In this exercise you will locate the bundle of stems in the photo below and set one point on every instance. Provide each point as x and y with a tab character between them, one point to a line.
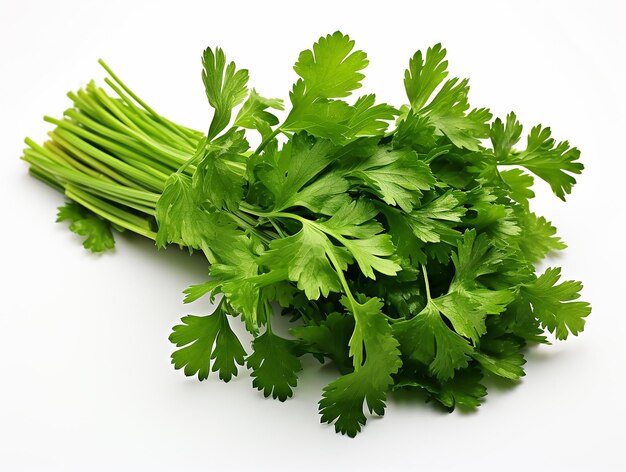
112	154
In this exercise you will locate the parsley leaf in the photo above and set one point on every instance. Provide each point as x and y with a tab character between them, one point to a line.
555	305
286	172
553	162
97	232
427	339
233	276
303	258
331	69
254	115
329	338
225	87
205	338
343	399
447	110
464	390
397	176
274	365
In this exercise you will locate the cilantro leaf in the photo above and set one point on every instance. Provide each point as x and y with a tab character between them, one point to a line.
409	249
343	399
368	118
433	221
335	119
551	161
289	170
195	292
180	216
329	338
519	184
505	136
328	72
225	87
424	75
474	258
487	214
447	110
416	132
318	116
464	313
303	258
538	236
354	227
396	175
468	300
198	334
254	115
427	340
274	365
228	352
306	257
219	178
325	195
234	276
508	365
555	306
97	232
463	391
205	338
331	69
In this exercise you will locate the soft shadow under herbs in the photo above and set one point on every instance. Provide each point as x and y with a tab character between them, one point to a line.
192	265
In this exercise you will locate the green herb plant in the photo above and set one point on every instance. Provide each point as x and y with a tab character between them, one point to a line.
399	241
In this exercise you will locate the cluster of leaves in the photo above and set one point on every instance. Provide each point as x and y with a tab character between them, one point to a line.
96	231
404	256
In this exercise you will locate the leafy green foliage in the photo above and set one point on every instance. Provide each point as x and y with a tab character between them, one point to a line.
553	162
398	177
254	115
343	399
232	275
463	391
329	338
181	217
427	339
287	172
555	305
225	87
447	110
303	258
274	365
97	232
331	69
399	240
205	338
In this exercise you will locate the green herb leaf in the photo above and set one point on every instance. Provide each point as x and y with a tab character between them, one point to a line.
97	232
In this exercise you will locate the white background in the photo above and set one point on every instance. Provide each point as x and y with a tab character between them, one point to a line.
85	379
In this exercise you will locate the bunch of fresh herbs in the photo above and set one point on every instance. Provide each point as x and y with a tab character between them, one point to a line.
399	241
